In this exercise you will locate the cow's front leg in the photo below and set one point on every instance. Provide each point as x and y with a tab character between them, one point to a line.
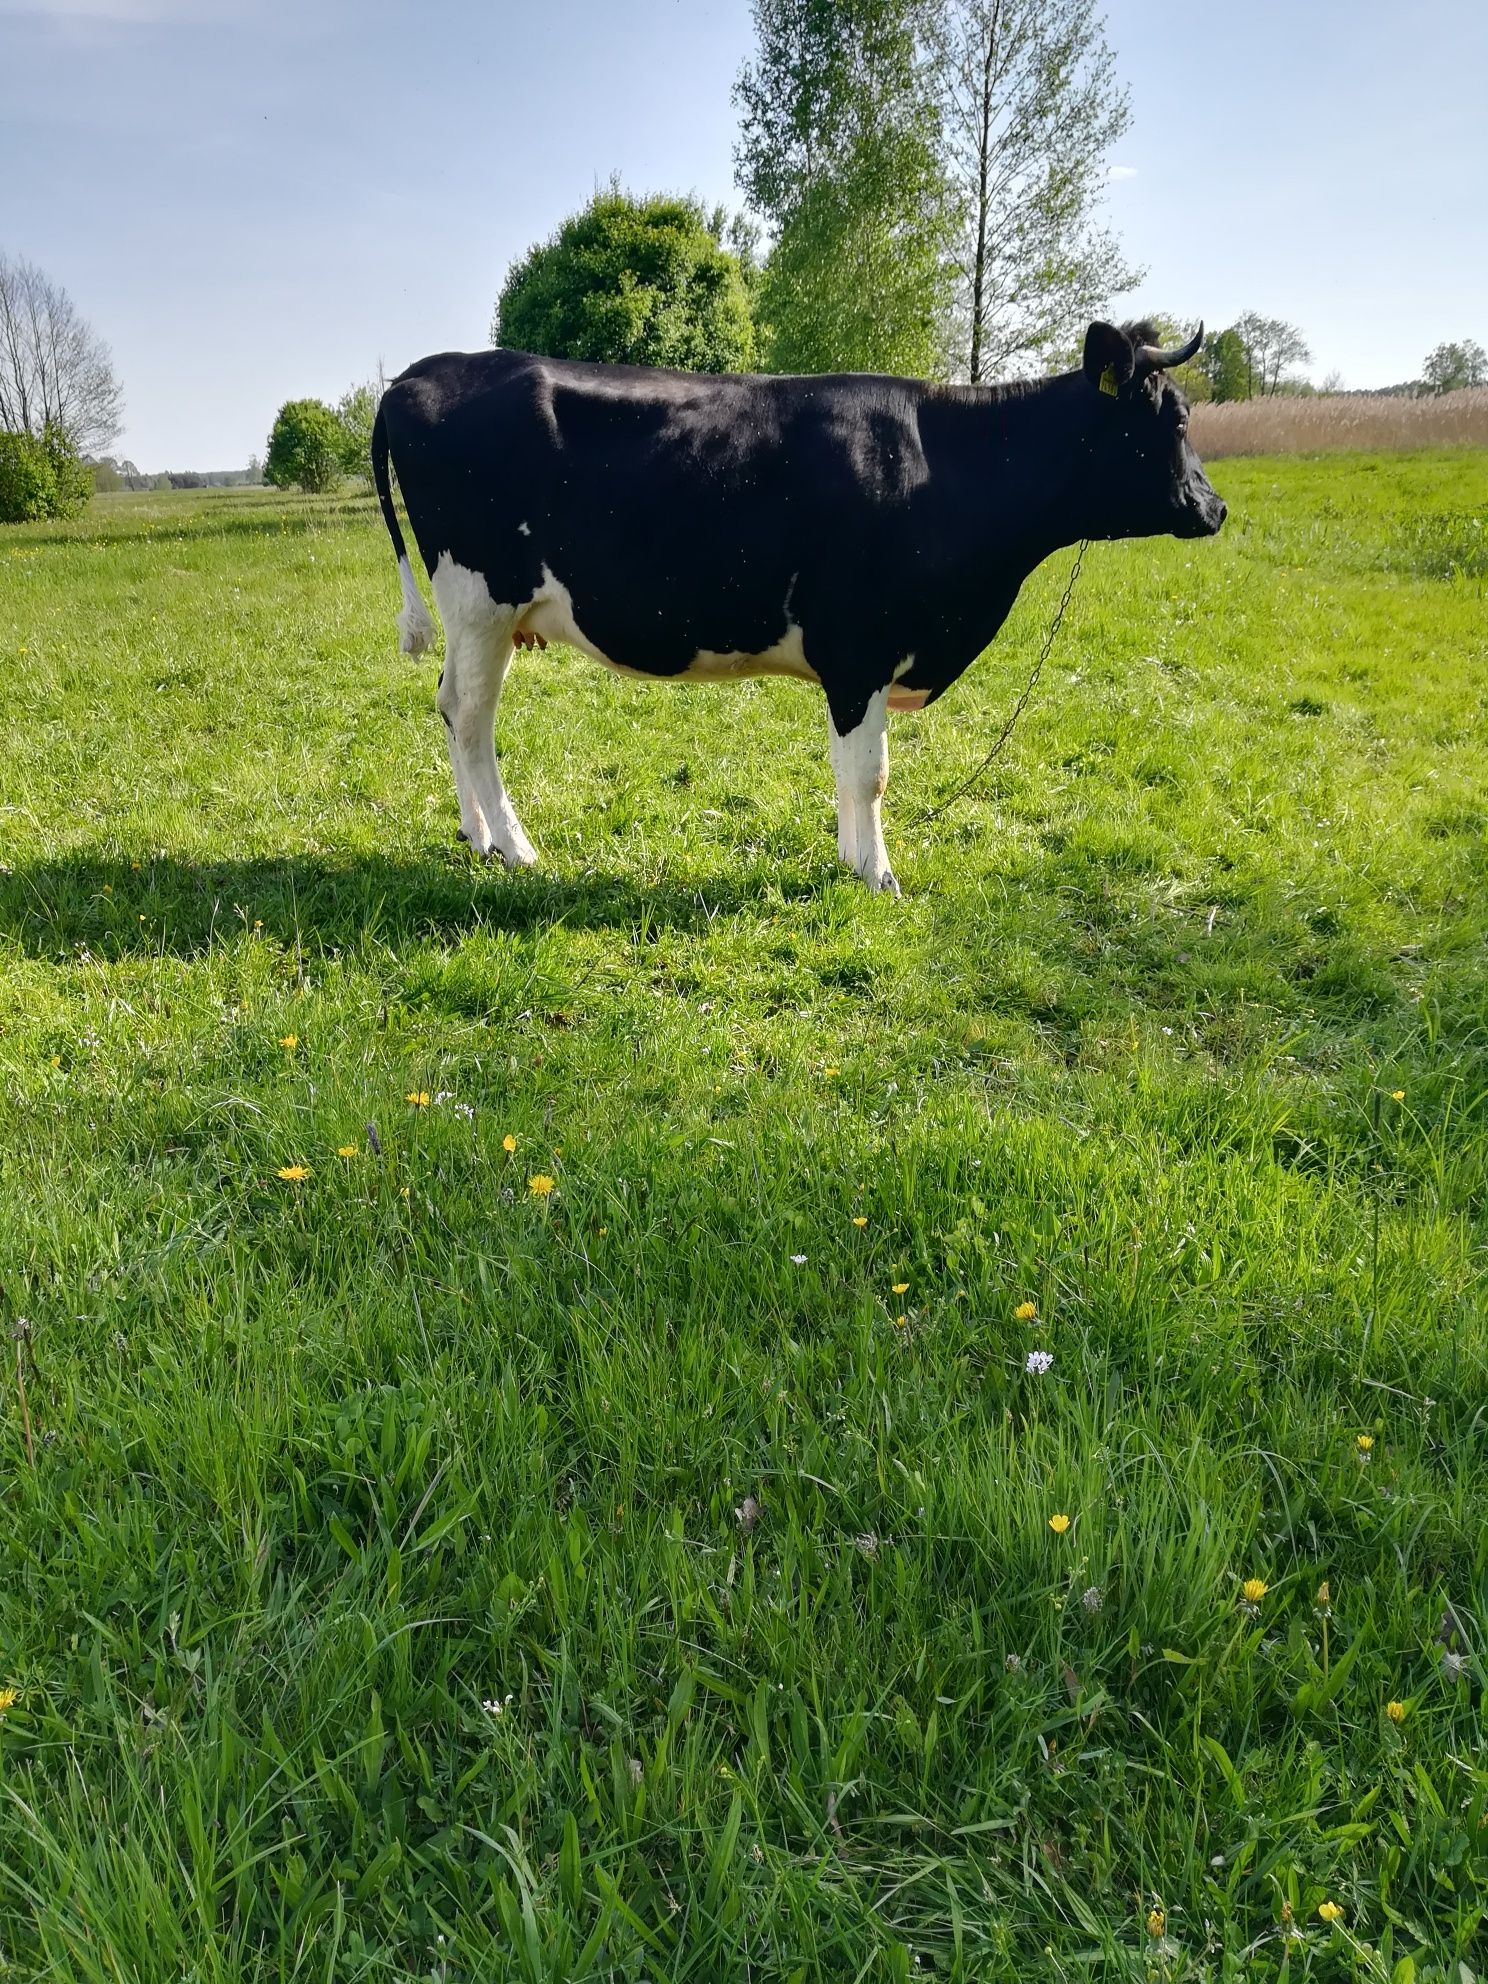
478	650
859	741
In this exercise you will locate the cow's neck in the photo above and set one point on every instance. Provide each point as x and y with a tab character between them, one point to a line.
1016	459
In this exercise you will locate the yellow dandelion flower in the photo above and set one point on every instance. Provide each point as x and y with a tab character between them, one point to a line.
1059	1524
901	1322
1254	1590
1364	1442
1156	1922
540	1185
8	1698
108	888
56	1060
603	1231
1397	1095
829	1072
1395	1711
508	1144
1329	1911
346	1150
859	1220
289	1042
1026	1311
294	1174
901	1288
419	1097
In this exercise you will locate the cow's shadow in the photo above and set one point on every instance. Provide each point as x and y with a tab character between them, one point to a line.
112	907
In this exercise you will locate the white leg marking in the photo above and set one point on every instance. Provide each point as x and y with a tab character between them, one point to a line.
860	763
477	649
415	624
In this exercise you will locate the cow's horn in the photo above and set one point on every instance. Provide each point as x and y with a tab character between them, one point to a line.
1151	359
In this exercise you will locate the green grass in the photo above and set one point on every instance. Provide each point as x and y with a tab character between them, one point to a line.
318	1469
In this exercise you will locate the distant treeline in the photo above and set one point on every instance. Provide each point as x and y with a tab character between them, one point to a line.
111	474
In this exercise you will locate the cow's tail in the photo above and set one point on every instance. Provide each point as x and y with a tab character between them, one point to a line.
415	622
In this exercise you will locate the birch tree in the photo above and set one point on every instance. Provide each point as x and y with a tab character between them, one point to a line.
1029	109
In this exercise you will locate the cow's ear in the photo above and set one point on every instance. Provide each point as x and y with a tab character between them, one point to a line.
1109	360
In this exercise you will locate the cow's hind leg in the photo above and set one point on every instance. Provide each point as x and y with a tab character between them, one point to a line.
478	649
860	765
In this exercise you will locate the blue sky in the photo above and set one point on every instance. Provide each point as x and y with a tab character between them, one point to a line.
258	199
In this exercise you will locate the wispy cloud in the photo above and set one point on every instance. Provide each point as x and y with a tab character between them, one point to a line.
1121	172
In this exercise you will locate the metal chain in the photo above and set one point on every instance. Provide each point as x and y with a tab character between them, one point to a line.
960	791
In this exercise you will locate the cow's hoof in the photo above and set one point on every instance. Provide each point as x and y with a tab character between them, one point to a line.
521	856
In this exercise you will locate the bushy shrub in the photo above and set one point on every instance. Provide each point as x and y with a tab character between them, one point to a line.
41	478
632	282
74	478
306	447
28	488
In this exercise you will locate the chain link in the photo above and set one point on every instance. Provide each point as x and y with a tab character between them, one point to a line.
960	791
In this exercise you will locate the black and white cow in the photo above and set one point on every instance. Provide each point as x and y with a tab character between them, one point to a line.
868	534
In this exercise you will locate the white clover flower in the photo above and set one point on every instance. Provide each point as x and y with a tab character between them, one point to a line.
1038	1361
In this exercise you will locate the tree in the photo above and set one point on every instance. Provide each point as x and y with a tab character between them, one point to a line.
1223	361
632	282
356	410
55	371
1029	108
305	447
839	150
1452	366
1271	345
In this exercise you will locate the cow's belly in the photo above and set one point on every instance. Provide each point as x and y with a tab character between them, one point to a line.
550	615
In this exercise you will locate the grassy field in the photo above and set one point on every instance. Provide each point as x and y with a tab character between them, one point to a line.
413	1573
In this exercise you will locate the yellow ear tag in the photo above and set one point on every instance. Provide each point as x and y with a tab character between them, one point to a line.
1108	382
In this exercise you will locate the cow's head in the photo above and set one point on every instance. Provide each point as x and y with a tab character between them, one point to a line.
1145	478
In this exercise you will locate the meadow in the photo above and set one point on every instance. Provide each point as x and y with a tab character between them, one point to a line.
668	1418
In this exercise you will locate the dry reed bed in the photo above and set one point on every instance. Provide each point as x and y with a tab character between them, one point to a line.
1341	420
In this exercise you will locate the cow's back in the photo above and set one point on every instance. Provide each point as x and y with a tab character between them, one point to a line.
681	511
